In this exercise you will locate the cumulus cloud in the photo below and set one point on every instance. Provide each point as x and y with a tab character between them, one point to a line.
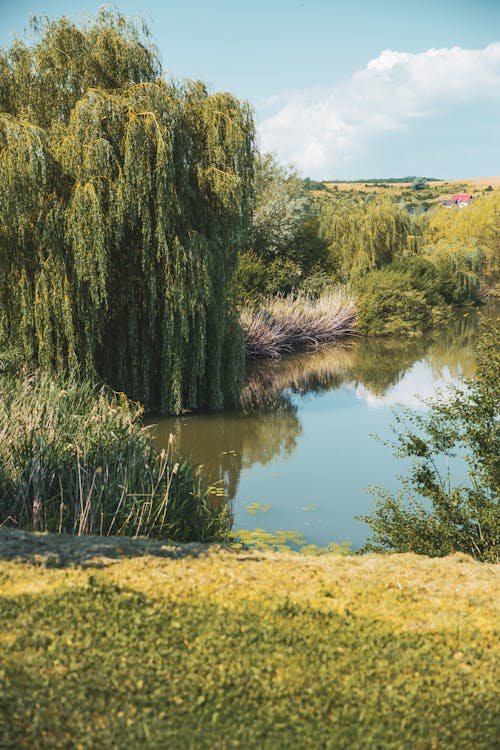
420	383
323	130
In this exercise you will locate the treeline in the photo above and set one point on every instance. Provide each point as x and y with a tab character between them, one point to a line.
137	219
407	270
383	180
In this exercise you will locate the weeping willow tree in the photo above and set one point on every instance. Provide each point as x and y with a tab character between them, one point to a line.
123	201
365	236
468	240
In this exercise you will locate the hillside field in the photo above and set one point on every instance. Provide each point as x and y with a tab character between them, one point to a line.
448	186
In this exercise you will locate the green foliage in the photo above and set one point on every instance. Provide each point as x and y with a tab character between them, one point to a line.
11	361
363	235
281	206
283	276
471	238
461	517
255	279
284	236
123	199
313	184
250	277
317	283
459	268
419	183
308	249
76	459
401	298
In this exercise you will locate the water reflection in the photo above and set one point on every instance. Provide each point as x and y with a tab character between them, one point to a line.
227	443
279	414
375	364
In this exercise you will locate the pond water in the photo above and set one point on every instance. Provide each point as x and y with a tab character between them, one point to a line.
302	454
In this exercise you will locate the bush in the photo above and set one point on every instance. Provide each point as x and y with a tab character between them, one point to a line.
250	277
255	278
283	276
76	459
404	297
317	284
461	517
419	183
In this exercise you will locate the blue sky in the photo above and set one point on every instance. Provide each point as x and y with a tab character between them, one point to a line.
341	89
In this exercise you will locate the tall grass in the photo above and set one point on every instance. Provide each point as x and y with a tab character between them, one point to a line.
287	324
75	458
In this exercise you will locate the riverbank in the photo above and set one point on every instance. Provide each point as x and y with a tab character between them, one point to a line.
128	643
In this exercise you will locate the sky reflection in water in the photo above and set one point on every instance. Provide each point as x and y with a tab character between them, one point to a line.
305	443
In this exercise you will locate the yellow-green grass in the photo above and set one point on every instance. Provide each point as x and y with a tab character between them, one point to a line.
120	643
475	183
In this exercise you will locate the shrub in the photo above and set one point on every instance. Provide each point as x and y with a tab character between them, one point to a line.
461	517
317	283
75	458
419	183
250	277
401	298
283	276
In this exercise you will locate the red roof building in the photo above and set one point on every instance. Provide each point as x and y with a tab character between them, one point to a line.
459	199
462	197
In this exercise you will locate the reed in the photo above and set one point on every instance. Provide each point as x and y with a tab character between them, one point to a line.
75	458
283	325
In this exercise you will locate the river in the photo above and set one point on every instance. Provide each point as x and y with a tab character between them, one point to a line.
303	452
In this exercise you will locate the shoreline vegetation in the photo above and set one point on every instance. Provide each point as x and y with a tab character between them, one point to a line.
75	458
287	324
139	224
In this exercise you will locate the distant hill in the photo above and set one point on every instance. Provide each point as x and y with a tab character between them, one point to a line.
394	184
377	180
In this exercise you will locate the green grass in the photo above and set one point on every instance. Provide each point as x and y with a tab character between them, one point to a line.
204	647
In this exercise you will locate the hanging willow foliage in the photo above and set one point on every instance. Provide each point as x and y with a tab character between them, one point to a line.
123	202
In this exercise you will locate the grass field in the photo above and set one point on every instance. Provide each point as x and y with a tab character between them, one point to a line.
120	643
448	186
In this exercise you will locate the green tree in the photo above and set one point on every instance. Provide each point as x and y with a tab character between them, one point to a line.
284	243
457	516
123	202
366	234
419	183
281	207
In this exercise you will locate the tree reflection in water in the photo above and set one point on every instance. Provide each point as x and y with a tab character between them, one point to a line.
229	442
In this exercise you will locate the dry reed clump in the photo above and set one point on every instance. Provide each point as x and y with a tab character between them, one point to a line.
293	323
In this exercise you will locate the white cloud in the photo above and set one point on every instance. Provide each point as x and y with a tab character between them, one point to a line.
322	130
420	383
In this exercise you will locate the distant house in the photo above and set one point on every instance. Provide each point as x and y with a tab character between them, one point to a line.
460	199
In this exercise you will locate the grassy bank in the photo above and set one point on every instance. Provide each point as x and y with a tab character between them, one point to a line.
112	643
